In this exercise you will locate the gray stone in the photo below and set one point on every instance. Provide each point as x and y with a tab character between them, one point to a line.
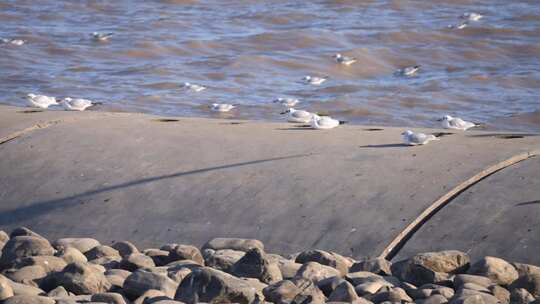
376	265
6	290
160	257
23	231
136	261
59	291
125	248
394	295
109	298
80	278
293	291
434	299
255	265
233	244
360	277
26	299
461	279
331	259
150	296
344	292
467	296
500	293
316	272
520	296
49	263
209	285
186	252
141	281
498	270
288	268
222	259
71	255
25	290
81	244
328	285
25	246
529	279
109	262
29	275
101	251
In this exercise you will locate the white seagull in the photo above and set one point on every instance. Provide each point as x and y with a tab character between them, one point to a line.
17	42
101	36
193	87
313	80
287	102
472	16
324	122
300	116
77	104
449	122
409	71
40	101
344	59
413	139
221	107
460	26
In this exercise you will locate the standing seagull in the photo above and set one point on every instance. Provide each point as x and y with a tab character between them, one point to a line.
287	102
324	122
300	116
221	107
77	104
101	36
344	59
40	101
449	122
313	80
413	139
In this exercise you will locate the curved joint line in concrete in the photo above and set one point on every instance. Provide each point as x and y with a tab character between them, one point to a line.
37	126
399	241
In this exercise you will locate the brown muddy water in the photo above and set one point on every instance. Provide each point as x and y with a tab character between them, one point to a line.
251	52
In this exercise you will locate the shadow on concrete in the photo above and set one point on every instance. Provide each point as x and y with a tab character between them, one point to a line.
43	207
528	203
385	146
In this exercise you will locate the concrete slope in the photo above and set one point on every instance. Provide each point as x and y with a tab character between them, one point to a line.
499	216
131	176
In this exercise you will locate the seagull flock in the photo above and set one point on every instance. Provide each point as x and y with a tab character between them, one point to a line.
316	121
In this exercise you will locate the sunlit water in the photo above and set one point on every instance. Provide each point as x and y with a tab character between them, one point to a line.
251	52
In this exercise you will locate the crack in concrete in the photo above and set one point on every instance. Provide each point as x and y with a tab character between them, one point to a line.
38	126
393	248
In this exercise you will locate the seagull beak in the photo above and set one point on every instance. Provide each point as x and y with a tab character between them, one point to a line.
440	119
283	113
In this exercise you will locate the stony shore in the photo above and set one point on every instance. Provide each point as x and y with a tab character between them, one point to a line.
233	270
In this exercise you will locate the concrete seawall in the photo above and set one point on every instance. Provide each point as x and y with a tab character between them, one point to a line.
352	190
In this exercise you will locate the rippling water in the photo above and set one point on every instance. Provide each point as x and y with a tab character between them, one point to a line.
250	52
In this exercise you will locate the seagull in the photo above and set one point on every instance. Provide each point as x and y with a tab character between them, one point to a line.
300	116
77	104
324	122
449	122
413	139
17	42
221	107
460	26
101	36
40	101
193	87
314	80
409	71
344	59
472	16
287	102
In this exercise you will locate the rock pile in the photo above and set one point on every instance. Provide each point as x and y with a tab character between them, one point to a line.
227	270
